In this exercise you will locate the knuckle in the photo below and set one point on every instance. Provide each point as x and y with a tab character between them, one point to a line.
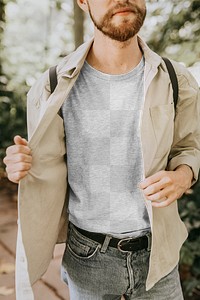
18	148
11	178
178	194
167	179
158	196
167	202
170	180
18	176
27	166
8	170
22	166
151	191
146	192
173	188
21	157
162	173
5	160
8	150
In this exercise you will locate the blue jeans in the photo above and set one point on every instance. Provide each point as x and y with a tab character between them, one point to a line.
93	274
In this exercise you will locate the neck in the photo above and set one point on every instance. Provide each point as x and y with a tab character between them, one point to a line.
113	57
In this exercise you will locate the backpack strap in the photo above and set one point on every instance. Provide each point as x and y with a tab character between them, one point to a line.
173	78
53	78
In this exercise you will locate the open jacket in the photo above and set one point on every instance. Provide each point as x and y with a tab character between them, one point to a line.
168	139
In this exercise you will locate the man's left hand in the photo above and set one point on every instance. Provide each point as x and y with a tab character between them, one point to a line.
165	187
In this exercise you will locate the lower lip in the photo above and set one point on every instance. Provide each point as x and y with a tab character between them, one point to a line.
123	13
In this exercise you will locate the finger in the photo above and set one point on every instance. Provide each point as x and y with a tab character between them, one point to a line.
15	149
164	203
18	140
18	167
189	192
21	157
17	176
156	187
161	194
18	157
152	179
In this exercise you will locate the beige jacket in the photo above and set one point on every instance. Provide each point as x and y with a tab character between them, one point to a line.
43	192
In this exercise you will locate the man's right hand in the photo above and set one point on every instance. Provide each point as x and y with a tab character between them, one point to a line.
18	159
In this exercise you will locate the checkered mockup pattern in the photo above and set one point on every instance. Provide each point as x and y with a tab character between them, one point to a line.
102	123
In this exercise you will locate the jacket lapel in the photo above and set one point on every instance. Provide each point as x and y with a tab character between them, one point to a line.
55	101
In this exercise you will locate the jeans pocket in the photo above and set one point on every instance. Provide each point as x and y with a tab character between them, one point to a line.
80	248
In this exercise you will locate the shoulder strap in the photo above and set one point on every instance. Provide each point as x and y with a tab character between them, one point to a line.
53	83
53	78
173	78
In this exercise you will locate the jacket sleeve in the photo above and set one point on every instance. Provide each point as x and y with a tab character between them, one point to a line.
186	143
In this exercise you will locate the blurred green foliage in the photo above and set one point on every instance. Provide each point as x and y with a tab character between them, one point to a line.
178	36
12	118
189	207
172	29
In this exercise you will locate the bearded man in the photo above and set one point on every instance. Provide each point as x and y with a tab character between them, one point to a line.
104	176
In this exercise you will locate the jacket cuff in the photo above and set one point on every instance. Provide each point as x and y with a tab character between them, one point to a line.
185	160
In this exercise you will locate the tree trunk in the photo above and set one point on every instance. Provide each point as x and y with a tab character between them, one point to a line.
78	25
2	21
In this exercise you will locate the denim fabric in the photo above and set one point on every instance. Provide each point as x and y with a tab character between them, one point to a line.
93	274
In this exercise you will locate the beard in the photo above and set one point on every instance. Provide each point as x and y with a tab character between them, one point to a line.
127	28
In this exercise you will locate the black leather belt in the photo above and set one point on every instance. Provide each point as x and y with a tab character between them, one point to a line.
124	245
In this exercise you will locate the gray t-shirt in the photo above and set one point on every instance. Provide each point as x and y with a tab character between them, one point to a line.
102	116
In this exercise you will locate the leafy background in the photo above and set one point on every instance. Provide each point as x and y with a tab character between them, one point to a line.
37	34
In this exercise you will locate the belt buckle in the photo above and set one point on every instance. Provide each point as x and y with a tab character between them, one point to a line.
148	235
121	241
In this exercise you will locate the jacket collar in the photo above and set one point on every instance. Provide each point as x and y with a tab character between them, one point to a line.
71	65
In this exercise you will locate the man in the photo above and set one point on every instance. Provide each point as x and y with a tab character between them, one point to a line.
129	157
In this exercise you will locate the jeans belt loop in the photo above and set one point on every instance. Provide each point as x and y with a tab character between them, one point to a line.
105	243
149	237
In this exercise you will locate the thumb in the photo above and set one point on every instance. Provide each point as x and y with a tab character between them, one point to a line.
18	140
